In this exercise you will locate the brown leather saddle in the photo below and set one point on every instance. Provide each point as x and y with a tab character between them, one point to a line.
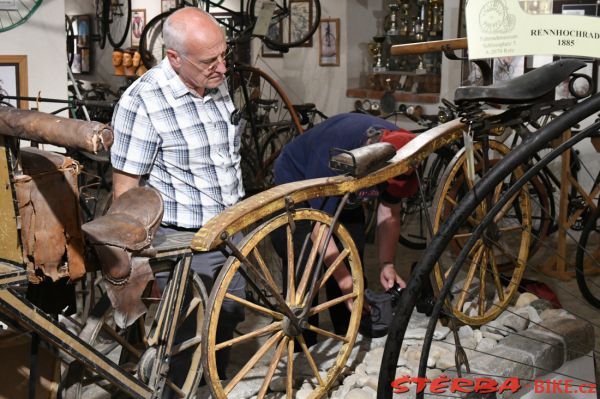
363	160
125	231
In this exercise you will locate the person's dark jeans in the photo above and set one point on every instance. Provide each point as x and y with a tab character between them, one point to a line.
353	221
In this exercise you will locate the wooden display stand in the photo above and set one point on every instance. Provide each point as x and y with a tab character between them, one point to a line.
558	266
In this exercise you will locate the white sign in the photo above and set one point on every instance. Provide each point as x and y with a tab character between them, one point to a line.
499	28
8	5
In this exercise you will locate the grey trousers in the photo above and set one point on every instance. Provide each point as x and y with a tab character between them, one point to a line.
207	265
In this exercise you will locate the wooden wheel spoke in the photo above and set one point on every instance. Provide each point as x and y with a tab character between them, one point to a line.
291	272
468	280
254	306
326	305
310	263
504	211
252	362
272	367
311	360
185	345
496	275
254	334
471	220
338	261
194	303
326	333
263	267
289	384
482	272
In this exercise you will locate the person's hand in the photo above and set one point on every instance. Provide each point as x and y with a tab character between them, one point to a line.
388	277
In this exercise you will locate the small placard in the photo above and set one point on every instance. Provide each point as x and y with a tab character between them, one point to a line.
8	5
500	28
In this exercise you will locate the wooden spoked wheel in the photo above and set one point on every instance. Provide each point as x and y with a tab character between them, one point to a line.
136	346
277	348
482	289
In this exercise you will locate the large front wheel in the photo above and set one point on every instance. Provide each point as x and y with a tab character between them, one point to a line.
273	346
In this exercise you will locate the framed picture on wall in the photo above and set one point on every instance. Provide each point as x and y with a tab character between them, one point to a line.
138	22
13	78
329	42
507	68
300	17
275	33
166	5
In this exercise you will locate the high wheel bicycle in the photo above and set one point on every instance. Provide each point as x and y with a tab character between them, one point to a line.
504	189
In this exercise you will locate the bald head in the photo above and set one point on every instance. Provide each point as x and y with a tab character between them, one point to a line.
188	27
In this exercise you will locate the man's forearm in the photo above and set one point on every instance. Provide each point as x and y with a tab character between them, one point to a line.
122	182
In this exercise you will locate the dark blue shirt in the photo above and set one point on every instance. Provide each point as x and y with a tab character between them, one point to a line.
307	156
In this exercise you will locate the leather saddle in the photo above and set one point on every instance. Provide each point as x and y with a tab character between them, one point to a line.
363	160
125	231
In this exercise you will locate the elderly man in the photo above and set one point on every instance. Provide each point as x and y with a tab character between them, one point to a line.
173	132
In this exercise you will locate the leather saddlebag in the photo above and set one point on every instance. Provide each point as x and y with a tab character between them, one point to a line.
48	200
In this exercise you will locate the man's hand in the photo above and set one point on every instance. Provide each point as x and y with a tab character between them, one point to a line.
388	277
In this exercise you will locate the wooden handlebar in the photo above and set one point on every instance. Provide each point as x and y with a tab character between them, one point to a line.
429	47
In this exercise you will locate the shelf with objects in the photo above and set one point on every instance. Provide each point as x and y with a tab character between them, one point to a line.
406	77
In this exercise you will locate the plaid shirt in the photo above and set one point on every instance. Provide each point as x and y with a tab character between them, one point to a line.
185	145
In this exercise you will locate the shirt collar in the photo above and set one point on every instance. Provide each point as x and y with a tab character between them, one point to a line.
176	84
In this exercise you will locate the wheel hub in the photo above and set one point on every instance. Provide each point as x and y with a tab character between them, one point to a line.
289	328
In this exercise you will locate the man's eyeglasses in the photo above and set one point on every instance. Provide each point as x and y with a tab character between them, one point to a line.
209	65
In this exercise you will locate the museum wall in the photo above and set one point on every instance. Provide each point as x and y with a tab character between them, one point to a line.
42	40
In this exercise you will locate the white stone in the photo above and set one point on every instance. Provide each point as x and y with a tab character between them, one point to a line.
552	313
486	344
415	333
445	361
402	371
525	299
361	369
478	335
358	393
303	393
533	314
350	381
370	391
372	382
373	360
465	332
433	373
440	332
514	321
401	361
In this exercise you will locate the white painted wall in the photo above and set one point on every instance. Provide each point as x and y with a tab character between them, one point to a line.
43	40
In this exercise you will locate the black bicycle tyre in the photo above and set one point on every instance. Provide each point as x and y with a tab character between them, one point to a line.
147	57
518	156
582	283
102	16
113	41
313	24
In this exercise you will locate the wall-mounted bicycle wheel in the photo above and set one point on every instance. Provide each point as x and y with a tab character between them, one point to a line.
271	341
270	123
298	21
483	284
14	16
119	20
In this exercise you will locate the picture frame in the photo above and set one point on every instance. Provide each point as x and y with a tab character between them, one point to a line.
276	33
329	42
138	22
166	5
13	78
299	19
